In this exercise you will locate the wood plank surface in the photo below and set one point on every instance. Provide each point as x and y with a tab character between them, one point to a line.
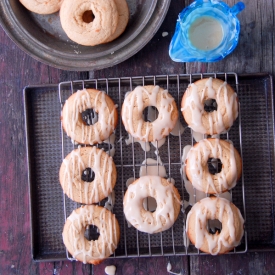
145	266
16	71
255	53
241	264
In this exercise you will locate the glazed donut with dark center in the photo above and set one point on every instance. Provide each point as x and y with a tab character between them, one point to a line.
213	166
87	175
224	238
101	246
209	106
89	116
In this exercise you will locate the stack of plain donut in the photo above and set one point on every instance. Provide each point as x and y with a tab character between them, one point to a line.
86	22
84	190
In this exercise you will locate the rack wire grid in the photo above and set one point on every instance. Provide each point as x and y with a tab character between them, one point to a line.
130	158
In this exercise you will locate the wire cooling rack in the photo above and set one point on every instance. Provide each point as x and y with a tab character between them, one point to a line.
130	158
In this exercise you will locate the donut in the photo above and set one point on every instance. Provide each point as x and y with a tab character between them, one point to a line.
89	22
167	199
75	165
74	125
42	6
213	208
93	252
123	18
142	97
193	109
197	166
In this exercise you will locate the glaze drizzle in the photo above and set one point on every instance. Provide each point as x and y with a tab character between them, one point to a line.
200	119
134	102
163	217
103	125
71	171
197	159
92	250
211	209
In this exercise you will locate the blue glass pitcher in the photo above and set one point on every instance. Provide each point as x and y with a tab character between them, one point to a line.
206	31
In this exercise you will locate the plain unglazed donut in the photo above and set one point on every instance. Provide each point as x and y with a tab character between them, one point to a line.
84	32
77	129
123	18
93	252
71	170
42	6
217	121
142	97
166	196
213	208
197	166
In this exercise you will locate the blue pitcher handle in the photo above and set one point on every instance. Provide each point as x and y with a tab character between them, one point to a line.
237	8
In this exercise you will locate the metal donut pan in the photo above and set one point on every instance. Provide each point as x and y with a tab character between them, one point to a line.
42	37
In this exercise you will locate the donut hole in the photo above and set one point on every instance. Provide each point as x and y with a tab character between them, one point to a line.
88	175
214	166
150	204
214	226
89	116
150	113
210	105
88	16
91	233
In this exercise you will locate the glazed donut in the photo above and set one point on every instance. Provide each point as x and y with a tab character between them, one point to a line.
81	101
75	163
217	121
142	97
89	22
168	204
213	208
42	6
197	166
123	18
93	252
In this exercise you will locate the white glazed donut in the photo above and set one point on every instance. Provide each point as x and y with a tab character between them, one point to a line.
217	121
197	166
142	97
93	252
76	128
168	204
213	208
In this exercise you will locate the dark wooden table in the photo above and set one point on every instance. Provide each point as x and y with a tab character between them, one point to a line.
255	53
